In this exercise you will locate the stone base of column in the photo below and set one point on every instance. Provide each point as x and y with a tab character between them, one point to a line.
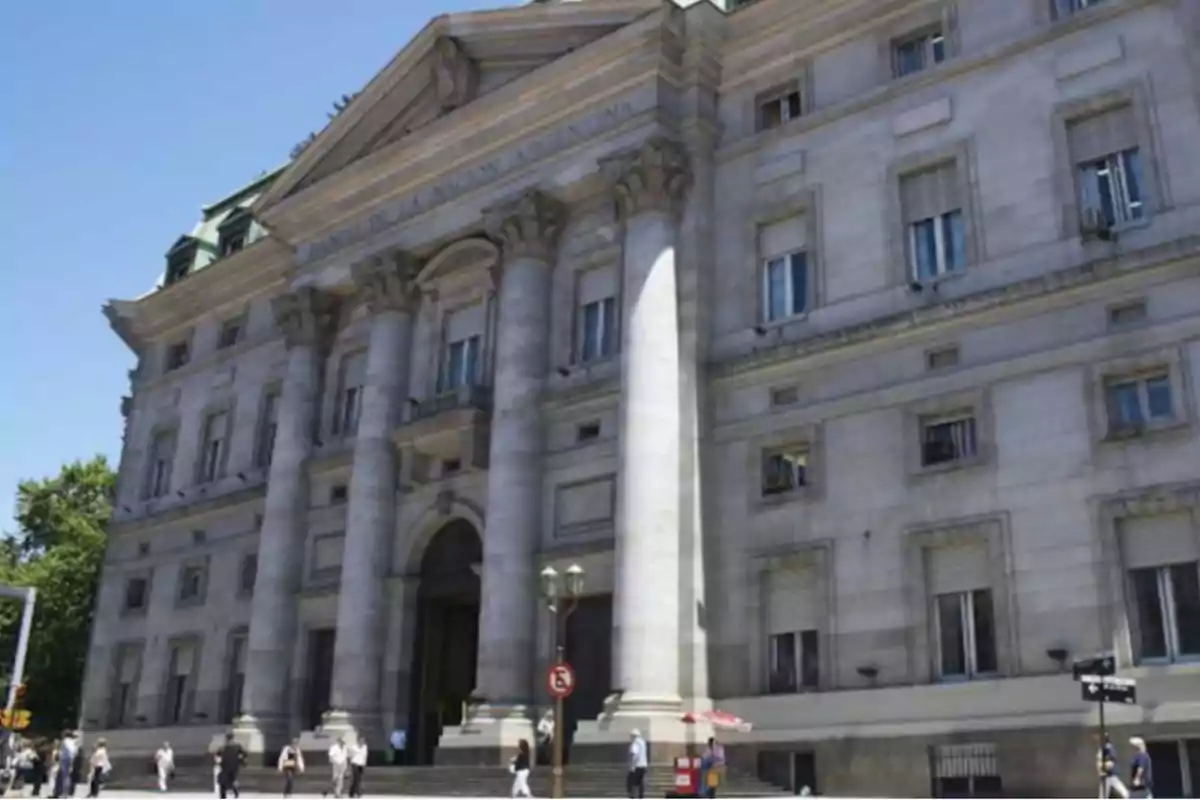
488	737
351	727
257	734
658	719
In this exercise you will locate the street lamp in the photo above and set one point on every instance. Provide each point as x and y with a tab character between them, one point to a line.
554	592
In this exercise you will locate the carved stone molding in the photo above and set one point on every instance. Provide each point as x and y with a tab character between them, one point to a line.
387	282
306	316
455	75
528	227
655	177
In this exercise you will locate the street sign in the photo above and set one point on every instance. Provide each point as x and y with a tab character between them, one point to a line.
1103	664
1107	689
560	680
17	720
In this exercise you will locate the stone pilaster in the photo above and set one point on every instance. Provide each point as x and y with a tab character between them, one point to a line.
307	318
386	285
528	231
649	187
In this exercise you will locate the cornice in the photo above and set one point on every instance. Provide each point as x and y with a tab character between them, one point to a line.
189	512
907	323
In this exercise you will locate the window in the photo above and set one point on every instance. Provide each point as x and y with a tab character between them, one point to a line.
191	585
1105	149
123	695
943	358
1127	314
179	683
234	233
266	430
784	471
212	451
236	680
162	455
338	494
1137	401
461	366
1061	9
180	260
199	537
247	574
933	214
793	662
946	440
587	432
784	396
349	400
598	328
919	52
451	467
778	108
966	634
1167	604
782	248
177	355
136	594
231	332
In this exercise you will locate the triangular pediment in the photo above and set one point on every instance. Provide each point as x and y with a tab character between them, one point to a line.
454	60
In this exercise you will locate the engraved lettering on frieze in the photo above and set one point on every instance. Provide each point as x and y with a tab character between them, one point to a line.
387	282
306	316
454	74
470	179
528	227
653	178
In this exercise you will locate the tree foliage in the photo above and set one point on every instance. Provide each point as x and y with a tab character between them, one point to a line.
58	550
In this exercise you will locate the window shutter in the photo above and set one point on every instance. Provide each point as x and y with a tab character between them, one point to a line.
128	667
354	369
216	426
792	600
1158	540
963	568
597	284
783	236
930	192
465	323
239	655
184	659
1098	135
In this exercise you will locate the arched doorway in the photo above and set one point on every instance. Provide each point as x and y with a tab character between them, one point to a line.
446	636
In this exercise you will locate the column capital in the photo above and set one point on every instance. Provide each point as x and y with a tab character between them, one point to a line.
387	282
527	227
307	316
655	177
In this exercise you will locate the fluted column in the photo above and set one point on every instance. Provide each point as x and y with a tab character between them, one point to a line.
307	318
528	231
650	186
386	285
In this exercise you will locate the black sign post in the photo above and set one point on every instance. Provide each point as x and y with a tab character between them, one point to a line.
1099	684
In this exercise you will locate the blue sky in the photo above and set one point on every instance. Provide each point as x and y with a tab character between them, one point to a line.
121	119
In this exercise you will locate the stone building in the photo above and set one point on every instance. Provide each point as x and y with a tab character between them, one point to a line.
851	348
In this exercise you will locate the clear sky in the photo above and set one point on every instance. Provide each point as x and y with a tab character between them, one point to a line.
119	119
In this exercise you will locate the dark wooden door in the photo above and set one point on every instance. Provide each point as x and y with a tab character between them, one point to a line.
589	651
320	675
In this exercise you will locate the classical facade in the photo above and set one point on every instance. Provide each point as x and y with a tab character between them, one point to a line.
850	347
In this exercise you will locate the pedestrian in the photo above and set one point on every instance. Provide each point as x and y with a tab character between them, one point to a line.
41	768
1106	764
712	764
338	758
64	781
398	740
164	765
291	763
1141	771
519	767
635	781
232	757
358	765
545	738
99	767
216	773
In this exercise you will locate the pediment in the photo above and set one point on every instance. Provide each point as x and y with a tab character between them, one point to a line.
454	60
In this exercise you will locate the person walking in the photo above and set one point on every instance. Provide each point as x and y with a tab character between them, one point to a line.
358	765
291	763
64	783
519	767
1141	770
1106	764
338	758
99	767
712	764
231	757
398	740
545	738
635	781
164	765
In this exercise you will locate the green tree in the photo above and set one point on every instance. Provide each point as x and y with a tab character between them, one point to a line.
58	550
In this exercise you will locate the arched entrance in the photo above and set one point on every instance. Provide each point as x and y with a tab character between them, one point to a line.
446	636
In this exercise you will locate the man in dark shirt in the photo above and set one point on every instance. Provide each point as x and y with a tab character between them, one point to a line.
1141	772
232	758
1110	783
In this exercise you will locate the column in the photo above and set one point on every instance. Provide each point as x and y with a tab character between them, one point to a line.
306	318
650	185
528	231
386	285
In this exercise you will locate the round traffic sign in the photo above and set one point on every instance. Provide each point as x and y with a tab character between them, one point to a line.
560	680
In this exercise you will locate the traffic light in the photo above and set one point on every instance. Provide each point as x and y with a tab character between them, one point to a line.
20	692
15	720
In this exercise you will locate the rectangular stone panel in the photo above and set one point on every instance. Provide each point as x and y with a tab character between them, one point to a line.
1158	540
584	506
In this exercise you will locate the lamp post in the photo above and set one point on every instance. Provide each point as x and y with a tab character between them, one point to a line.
555	593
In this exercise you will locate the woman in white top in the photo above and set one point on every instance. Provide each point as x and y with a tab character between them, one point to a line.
164	765
358	763
100	767
291	763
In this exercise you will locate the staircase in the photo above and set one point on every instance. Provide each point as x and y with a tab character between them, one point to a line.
607	780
